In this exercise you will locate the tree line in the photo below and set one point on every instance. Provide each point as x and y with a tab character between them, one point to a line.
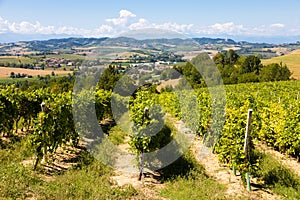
242	69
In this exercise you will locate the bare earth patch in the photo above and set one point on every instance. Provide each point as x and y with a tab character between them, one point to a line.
5	72
62	160
235	187
127	174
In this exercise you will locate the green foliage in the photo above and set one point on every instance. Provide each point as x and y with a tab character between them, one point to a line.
275	72
55	126
236	69
109	78
170	74
16	181
116	135
170	103
278	178
184	174
102	104
191	74
248	77
230	147
7	115
89	180
148	131
106	151
227	57
252	64
276	121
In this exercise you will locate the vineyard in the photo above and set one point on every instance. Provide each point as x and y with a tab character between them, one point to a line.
221	123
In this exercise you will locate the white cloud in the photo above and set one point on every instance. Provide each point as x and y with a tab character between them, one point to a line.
226	28
126	13
277	25
230	28
3	25
142	23
24	27
104	29
181	28
128	21
124	16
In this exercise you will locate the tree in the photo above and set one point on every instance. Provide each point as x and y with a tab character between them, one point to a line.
275	72
252	64
231	57
12	75
191	74
228	57
219	59
109	78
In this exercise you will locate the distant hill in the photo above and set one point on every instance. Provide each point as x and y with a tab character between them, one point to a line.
56	44
16	37
292	60
67	43
214	41
71	45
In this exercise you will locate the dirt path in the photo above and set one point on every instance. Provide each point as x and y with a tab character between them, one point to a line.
222	174
235	187
127	173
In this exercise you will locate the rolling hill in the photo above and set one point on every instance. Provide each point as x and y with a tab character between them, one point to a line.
292	60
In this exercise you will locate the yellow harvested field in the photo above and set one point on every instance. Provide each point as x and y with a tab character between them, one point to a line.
5	72
172	83
292	61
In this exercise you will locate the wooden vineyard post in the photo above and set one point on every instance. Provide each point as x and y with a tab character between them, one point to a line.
246	146
44	148
146	116
141	166
40	148
233	168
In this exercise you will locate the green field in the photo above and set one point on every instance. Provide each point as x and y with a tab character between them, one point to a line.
16	60
65	56
10	60
291	60
16	80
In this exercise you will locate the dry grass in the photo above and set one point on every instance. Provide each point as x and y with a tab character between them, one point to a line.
173	83
5	72
292	61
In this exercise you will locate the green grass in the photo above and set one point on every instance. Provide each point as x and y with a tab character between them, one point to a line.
278	178
16	60
117	135
36	59
88	180
186	179
33	79
291	60
67	56
16	181
15	80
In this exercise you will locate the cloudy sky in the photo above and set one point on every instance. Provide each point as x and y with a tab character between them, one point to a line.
97	18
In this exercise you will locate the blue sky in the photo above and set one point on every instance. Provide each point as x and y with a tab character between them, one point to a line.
193	17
